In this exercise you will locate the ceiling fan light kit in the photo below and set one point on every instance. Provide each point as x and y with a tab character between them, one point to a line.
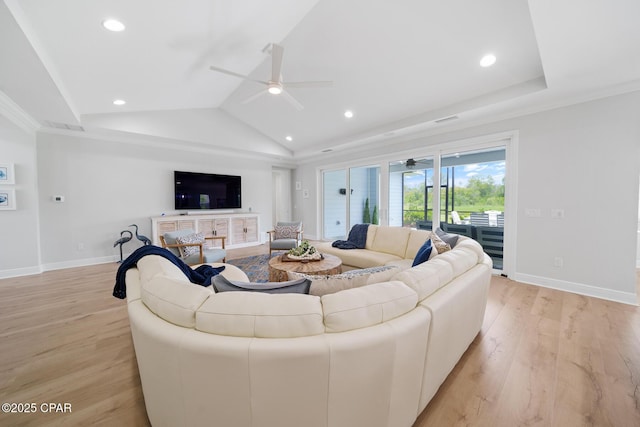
274	88
275	85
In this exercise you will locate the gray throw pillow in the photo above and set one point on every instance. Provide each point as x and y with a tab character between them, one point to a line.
298	286
451	239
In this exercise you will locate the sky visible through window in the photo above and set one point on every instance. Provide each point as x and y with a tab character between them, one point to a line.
462	174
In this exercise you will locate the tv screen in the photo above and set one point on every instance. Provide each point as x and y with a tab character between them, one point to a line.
195	190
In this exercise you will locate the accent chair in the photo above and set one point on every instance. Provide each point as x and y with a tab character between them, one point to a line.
190	246
285	236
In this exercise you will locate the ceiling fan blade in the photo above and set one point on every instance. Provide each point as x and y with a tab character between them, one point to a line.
294	102
276	62
308	84
254	97
231	73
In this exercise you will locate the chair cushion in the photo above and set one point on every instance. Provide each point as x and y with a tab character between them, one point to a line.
287	230
208	256
190	238
171	236
284	244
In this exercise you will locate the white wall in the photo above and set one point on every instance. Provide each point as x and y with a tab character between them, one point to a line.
584	159
107	186
281	192
19	252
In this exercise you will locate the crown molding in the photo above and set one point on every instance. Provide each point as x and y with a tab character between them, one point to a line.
17	115
168	144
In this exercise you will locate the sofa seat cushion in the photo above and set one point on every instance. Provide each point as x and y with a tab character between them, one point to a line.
359	258
367	306
260	315
173	300
328	284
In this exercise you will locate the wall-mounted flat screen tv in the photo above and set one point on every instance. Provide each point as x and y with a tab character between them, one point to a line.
195	190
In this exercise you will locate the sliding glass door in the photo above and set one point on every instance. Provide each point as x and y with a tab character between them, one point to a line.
465	191
472	198
411	193
350	196
334	197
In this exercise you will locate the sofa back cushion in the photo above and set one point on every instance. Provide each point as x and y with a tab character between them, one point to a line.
391	240
371	235
261	315
174	300
152	265
367	306
426	278
416	240
460	258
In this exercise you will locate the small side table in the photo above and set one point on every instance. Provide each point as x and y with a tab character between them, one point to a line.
278	269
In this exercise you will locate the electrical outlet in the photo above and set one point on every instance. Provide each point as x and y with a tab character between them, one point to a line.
558	261
533	212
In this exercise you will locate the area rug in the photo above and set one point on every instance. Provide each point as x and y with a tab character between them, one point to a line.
255	267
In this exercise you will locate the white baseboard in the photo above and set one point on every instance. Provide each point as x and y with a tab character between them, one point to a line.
81	262
17	272
578	288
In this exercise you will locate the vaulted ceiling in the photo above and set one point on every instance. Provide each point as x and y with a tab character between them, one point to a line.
399	66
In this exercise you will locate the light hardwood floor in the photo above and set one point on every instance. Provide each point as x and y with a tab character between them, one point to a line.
543	357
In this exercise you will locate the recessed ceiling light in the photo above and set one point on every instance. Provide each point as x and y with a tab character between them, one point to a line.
113	25
289	138
348	114
119	102
488	60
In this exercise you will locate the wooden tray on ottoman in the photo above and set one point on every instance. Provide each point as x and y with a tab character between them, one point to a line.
278	269
285	258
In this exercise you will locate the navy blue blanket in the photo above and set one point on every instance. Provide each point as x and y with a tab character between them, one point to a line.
356	240
202	275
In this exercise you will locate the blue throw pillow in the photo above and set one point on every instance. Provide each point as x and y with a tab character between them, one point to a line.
298	286
423	253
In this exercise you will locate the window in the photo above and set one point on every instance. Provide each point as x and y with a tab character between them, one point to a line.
411	193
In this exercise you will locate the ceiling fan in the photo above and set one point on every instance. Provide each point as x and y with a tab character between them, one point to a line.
275	85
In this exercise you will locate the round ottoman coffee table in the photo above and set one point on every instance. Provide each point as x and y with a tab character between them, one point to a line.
278	269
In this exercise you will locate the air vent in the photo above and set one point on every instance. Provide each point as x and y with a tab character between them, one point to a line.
446	119
64	126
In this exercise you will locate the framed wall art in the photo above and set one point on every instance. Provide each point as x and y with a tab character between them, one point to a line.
7	199
7	175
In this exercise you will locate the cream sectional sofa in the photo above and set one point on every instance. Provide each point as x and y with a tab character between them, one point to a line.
368	356
385	245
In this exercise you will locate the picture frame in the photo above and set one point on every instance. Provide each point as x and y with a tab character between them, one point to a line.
7	174
7	199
